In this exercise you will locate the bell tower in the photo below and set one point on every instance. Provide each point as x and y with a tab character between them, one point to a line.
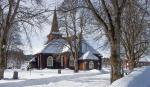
54	33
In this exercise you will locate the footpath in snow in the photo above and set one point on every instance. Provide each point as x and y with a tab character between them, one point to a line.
50	78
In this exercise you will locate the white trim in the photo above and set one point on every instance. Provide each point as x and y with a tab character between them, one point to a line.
50	61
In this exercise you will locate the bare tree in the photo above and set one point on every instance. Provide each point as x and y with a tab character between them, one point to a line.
73	23
71	34
13	45
17	12
112	27
135	32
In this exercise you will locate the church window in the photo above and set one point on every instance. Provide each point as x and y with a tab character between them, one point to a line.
91	65
50	61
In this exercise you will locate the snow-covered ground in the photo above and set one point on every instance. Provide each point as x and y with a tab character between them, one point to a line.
140	77
50	78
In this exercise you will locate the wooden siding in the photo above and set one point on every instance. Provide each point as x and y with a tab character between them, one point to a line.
41	62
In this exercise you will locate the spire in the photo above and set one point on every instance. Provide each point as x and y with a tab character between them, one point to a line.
54	27
54	33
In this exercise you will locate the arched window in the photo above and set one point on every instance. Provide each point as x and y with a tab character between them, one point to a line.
91	65
50	61
71	61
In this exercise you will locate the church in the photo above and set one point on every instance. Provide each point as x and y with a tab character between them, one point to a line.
57	55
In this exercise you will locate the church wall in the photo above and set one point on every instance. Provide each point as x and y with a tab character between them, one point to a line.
84	64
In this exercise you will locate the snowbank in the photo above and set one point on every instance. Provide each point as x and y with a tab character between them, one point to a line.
140	77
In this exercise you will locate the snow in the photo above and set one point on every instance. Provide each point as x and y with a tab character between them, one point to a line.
138	78
92	78
50	78
32	60
88	55
61	45
25	65
56	46
86	47
144	59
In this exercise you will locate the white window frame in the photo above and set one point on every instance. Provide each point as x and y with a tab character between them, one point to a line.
91	65
50	61
71	61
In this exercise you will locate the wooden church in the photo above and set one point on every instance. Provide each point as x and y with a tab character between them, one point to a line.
57	54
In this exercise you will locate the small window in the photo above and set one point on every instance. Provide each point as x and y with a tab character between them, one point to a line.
91	65
50	61
62	61
71	61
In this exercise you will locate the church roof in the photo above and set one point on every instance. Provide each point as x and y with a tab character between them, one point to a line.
86	47
56	46
88	56
61	46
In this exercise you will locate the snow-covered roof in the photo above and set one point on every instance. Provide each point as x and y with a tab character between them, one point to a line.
88	55
61	45
56	46
86	47
32	60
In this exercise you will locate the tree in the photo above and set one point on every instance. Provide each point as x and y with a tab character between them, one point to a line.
69	22
135	32
112	27
17	12
13	47
74	22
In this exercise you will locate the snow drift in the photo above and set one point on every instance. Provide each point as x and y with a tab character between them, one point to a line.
140	77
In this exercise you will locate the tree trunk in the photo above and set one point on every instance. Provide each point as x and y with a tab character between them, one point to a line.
115	61
75	66
2	62
1	72
132	64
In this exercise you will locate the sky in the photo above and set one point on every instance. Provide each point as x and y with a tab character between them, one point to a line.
39	38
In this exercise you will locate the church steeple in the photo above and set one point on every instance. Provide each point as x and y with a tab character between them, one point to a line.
54	33
54	27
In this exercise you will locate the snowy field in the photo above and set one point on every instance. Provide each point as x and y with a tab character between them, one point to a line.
50	78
